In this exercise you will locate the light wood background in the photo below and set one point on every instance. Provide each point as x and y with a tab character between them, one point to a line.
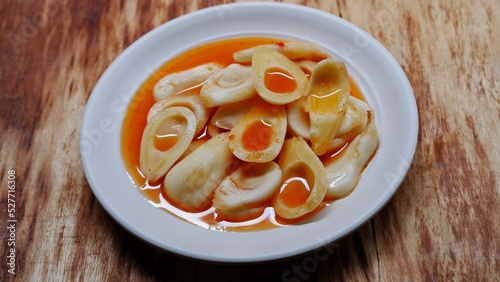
443	224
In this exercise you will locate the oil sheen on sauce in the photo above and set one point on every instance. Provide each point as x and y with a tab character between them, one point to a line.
279	81
295	189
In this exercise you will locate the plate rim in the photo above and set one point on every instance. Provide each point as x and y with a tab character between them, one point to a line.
94	97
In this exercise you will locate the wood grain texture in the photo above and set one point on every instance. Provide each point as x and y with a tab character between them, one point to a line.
443	223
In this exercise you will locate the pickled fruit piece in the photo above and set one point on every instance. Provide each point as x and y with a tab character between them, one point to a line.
327	94
165	138
193	146
354	122
191	181
227	116
277	79
181	81
343	172
213	130
251	184
303	187
291	50
340	141
238	215
306	66
191	101
259	136
229	85
353	117
298	118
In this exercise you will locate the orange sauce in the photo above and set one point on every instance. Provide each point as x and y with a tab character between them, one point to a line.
166	136
279	81
257	136
355	92
135	121
165	142
295	192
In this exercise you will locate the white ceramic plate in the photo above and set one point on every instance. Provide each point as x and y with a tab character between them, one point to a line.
378	74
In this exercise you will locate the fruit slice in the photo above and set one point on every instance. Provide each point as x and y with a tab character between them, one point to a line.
277	80
303	186
165	138
327	94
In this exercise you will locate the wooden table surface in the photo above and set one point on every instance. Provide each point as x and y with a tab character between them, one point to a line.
443	223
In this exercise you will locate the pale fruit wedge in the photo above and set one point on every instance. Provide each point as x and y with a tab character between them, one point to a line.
191	181
229	85
298	118
227	116
303	187
291	50
343	172
165	138
277	80
248	186
327	93
191	101
259	136
184	80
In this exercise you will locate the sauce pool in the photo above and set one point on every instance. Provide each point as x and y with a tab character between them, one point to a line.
135	121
